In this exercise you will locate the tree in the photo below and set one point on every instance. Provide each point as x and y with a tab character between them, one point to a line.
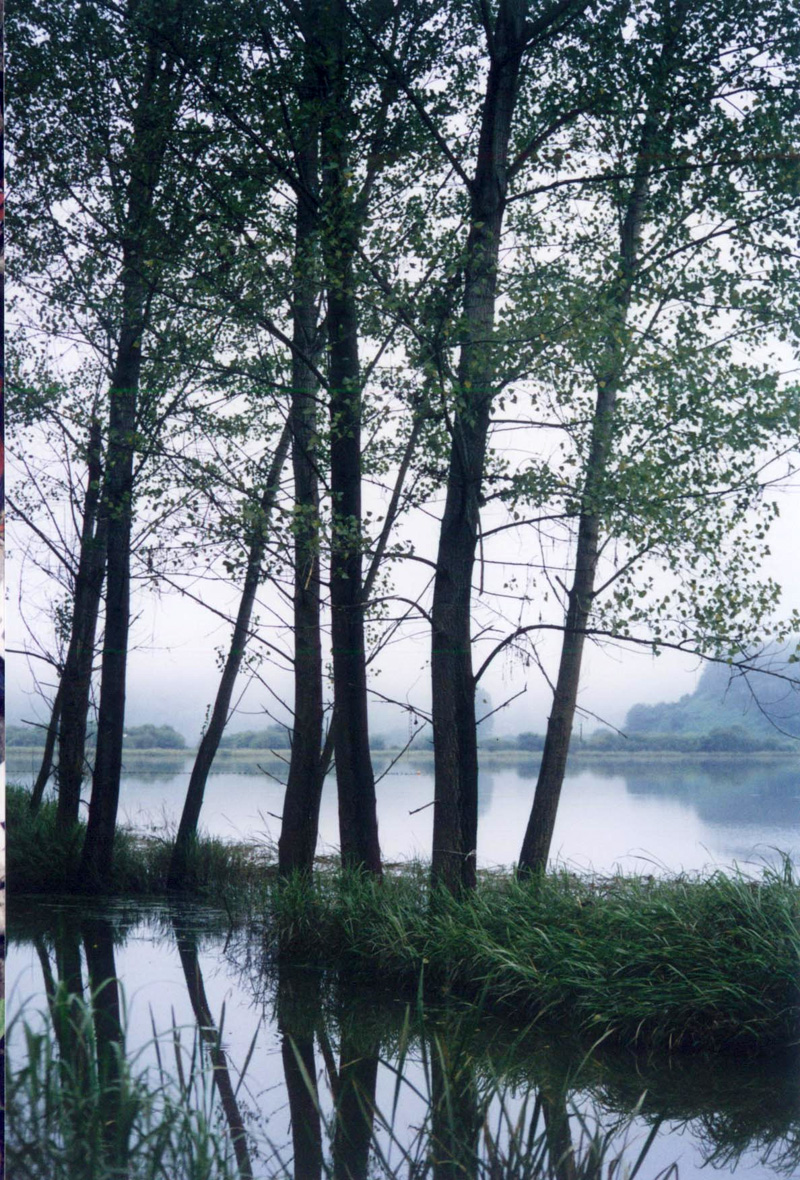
118	213
687	156
510	35
209	743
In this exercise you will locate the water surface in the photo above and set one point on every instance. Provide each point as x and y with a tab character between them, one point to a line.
659	816
296	1033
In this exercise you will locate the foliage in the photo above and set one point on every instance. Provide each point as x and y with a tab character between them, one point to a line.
154	737
42	858
759	706
669	964
274	737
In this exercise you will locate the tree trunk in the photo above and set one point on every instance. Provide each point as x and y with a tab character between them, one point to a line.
455	813
358	820
299	828
539	833
76	679
187	829
46	766
152	122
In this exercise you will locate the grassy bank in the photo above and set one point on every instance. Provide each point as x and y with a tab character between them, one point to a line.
684	963
42	859
709	964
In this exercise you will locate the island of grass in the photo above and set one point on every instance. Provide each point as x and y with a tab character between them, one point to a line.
708	963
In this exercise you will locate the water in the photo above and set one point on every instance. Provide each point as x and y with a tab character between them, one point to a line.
651	817
364	1052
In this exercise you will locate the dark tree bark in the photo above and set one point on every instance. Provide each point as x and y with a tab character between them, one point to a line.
455	813
76	678
46	765
358	821
152	122
541	825
300	824
187	829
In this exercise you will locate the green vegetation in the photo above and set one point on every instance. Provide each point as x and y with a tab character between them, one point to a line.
684	963
42	858
689	964
136	737
153	737
757	708
274	737
70	1118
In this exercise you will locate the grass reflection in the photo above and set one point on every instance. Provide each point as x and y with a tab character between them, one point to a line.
372	1087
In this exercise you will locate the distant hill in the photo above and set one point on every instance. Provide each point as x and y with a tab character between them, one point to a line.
758	704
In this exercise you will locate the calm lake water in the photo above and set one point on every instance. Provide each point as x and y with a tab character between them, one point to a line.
660	816
287	1032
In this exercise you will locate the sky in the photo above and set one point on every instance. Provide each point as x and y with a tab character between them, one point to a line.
173	672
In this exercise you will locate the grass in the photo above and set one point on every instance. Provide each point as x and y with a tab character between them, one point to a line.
72	1116
678	964
683	964
41	858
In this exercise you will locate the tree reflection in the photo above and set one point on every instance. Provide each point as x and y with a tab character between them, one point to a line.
298	1014
98	944
186	940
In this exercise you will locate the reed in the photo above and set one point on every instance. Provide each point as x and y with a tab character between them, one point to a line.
709	963
43	858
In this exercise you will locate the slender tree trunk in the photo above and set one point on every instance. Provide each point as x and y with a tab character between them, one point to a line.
187	829
151	130
46	766
76	679
455	813
300	825
541	825
358	821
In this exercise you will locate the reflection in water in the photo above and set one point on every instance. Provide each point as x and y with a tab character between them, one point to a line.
299	992
186	939
682	814
98	944
454	1118
369	1088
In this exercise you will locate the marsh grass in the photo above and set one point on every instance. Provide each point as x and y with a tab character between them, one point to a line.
42	858
703	963
75	1112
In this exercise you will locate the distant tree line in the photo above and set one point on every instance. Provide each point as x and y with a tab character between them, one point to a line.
137	737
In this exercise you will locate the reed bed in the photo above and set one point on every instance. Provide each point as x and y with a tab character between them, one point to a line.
709	963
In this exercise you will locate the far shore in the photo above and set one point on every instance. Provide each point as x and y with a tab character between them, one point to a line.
579	753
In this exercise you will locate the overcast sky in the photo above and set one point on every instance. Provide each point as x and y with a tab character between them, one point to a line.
173	673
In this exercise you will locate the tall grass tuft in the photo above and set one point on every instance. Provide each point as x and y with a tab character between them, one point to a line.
43	858
75	1113
706	964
